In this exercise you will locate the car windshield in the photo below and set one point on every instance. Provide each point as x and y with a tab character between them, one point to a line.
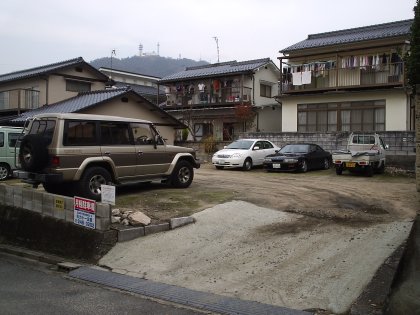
240	144
295	148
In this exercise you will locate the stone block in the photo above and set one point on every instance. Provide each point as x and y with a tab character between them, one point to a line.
9	199
103	210
17	196
69	215
128	234
178	222
37	201
27	195
102	224
48	204
2	194
156	228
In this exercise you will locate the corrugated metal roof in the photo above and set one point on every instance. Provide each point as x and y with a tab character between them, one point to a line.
378	31
75	104
216	69
33	72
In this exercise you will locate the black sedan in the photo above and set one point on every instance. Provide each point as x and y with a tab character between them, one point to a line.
298	157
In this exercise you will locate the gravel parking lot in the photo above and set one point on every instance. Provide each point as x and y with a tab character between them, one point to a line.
303	241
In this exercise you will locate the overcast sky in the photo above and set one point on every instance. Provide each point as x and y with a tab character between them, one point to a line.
36	33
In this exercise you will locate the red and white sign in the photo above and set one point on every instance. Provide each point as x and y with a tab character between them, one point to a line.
84	212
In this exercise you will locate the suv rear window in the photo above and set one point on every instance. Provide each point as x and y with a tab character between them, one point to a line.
78	132
45	128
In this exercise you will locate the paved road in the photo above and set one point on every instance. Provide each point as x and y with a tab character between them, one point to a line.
29	287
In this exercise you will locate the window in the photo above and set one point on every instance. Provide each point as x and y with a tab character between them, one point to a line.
142	133
79	133
1	139
265	90
13	137
349	116
77	86
44	128
203	130
4	100
114	133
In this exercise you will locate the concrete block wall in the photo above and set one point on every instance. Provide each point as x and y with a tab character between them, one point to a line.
47	205
401	152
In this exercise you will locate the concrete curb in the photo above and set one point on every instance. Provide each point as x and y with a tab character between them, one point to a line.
128	233
33	255
375	297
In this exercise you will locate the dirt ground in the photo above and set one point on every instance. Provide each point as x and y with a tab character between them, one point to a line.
305	241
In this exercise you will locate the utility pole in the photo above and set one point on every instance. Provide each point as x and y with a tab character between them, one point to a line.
217	45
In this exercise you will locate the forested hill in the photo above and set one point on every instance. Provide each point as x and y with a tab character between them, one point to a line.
148	65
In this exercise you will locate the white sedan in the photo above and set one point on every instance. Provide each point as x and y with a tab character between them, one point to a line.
244	153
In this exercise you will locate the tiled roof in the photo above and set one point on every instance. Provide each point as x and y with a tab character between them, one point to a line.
216	69
141	89
75	104
23	74
379	31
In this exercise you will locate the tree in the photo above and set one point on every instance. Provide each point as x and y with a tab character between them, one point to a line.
245	115
413	58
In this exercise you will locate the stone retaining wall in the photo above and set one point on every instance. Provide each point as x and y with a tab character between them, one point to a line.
45	204
41	221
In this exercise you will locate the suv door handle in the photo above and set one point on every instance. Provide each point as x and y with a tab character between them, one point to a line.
140	153
107	153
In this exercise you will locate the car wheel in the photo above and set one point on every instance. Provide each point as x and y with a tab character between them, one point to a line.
89	185
219	167
247	164
381	168
182	174
326	164
4	171
304	166
338	170
33	153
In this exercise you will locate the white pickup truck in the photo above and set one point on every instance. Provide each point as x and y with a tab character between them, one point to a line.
365	153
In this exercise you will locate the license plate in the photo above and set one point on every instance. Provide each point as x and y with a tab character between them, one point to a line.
221	162
350	164
276	165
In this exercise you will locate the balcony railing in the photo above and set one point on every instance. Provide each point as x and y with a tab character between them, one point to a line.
343	78
19	99
225	96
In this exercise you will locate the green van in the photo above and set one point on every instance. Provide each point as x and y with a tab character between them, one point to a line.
8	138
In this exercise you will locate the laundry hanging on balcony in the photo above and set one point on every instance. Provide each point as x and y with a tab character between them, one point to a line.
299	78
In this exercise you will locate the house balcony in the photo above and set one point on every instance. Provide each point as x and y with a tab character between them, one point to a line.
224	97
362	77
19	99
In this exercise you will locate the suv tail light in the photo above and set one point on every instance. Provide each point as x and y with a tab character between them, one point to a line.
55	161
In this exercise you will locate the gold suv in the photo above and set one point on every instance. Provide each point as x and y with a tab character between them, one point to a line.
74	154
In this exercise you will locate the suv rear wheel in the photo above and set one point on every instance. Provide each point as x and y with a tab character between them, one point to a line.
89	185
182	174
33	153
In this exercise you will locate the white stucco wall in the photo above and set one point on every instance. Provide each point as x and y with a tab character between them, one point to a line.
396	107
269	119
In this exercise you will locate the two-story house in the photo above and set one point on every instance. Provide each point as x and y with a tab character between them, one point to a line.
145	85
348	80
32	88
223	99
